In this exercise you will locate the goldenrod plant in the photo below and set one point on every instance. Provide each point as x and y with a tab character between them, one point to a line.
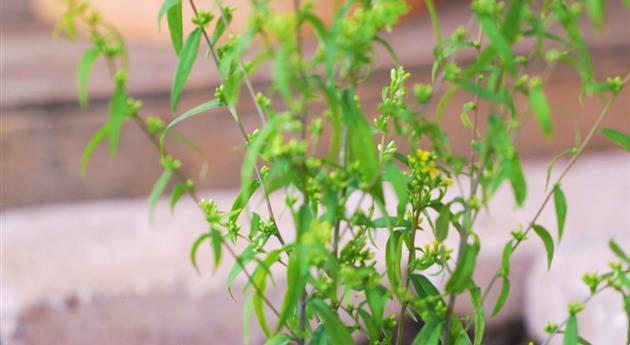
337	288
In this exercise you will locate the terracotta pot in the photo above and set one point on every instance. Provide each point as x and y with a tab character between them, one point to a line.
137	20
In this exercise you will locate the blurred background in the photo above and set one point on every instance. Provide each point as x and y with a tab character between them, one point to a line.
81	263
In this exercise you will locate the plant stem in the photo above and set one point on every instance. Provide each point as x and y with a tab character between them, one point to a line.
236	116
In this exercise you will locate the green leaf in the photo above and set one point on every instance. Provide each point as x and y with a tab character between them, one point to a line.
96	139
361	143
619	138
158	189
336	330
393	256
442	223
187	58
243	259
435	20
483	92
376	299
517	181
217	243
177	192
618	251
166	5
219	27
296	282
393	174
463	271
540	106
505	258
253	149
503	295
444	101
596	11
319	337
497	40
215	103
176	27
117	113
480	315
430	333
279	339
423	286
247	317
241	200
83	73
511	25
571	331
547	241
259	280
195	247
560	203
626	307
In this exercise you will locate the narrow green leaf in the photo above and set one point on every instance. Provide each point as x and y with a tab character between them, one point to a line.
253	149
361	143
626	307
117	113
296	282
390	50
393	174
423	286
517	180
540	106
511	25
560	203
243	259
547	241
195	247
219	27
618	251
259	280
442	223
465	267
217	243
393	256
96	139
158	189
596	11
247	317
497	40
83	73
279	339
176	27
444	101
215	103
480	315
505	258
619	138
435	20
166	5
187	58
177	192
571	331
481	91
376	299
503	295
336	330
430	333
319	336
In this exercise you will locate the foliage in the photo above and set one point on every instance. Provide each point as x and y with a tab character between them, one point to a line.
337	286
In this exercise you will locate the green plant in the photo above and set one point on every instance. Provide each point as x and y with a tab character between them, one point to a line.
330	263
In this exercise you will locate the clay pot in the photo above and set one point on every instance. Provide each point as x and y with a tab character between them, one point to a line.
137	20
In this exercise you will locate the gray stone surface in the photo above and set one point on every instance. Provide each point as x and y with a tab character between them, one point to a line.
99	258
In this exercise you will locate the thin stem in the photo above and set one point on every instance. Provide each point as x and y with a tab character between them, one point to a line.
571	163
237	118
